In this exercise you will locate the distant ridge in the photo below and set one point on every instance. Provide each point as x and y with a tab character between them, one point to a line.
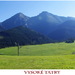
65	31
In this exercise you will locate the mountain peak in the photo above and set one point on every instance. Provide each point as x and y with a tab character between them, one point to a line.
45	13
18	19
21	15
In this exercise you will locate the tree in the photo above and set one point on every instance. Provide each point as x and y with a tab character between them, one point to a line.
69	41
17	44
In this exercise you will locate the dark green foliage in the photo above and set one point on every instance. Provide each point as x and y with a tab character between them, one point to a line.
22	36
70	41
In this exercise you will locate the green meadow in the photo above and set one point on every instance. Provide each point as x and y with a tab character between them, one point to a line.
43	56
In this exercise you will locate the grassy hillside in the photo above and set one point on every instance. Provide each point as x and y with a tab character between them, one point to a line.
41	50
44	56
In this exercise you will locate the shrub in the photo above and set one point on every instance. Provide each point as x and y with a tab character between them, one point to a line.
69	41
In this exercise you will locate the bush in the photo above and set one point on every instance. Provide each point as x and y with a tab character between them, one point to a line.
69	41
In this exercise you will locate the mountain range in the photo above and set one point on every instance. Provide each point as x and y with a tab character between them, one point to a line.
46	22
43	28
58	28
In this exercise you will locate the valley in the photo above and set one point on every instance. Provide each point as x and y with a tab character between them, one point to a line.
40	40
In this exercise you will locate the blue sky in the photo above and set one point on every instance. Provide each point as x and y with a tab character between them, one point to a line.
33	8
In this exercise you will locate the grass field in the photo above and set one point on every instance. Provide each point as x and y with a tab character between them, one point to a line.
41	50
37	62
44	56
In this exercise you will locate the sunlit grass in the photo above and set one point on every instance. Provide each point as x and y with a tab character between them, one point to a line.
44	56
41	50
37	62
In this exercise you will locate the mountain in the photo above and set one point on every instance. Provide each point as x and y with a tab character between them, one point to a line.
17	20
65	31
45	22
21	35
45	25
1	28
